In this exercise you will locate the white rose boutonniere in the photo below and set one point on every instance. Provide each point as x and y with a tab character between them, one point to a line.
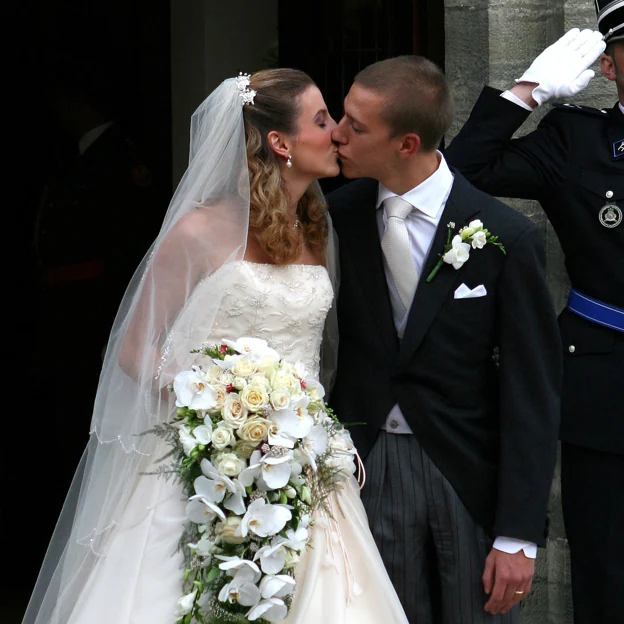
457	248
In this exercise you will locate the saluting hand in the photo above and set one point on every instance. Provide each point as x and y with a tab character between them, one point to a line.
561	70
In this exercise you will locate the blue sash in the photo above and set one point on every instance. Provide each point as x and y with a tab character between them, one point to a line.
596	311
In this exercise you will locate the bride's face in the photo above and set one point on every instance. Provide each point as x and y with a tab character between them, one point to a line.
314	154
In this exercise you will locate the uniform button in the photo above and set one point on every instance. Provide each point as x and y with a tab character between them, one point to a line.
609	194
571	348
394	424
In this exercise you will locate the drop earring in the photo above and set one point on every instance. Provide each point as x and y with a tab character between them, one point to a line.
289	161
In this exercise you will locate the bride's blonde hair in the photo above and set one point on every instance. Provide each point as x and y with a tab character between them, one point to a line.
276	107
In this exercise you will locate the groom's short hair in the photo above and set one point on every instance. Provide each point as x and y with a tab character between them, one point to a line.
417	95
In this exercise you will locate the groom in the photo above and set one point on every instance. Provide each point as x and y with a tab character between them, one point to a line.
454	364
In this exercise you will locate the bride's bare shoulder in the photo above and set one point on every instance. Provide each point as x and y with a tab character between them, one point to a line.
218	219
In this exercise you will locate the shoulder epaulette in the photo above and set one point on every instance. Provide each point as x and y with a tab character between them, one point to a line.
588	110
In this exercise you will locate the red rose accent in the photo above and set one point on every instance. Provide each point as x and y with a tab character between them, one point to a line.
223	349
229	388
303	384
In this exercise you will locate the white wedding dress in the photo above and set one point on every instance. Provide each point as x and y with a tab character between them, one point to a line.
341	579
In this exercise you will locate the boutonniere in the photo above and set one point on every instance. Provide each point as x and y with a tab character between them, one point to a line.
457	248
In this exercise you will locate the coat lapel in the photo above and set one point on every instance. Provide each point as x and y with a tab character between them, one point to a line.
459	209
368	263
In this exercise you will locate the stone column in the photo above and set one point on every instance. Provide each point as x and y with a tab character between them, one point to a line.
212	41
492	42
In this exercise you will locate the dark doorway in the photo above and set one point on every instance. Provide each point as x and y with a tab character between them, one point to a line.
332	40
119	50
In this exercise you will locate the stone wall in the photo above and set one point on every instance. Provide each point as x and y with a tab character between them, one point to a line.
492	42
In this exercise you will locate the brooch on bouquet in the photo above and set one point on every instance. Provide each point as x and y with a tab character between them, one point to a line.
457	248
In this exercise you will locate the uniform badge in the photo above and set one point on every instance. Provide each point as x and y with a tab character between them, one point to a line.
610	215
618	148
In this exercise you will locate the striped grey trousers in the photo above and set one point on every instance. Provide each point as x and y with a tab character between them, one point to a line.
433	550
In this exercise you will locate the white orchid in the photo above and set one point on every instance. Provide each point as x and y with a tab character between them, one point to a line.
185	604
253	471
241	589
298	539
187	439
203	547
291	423
264	519
315	444
234	501
255	346
277	436
273	556
277	585
458	253
276	471
272	610
300	370
214	487
202	511
236	563
193	390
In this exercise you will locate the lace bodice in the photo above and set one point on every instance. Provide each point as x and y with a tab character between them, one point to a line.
284	305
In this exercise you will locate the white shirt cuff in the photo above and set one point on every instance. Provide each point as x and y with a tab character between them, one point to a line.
508	95
511	546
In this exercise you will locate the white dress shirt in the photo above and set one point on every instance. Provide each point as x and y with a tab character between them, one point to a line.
429	199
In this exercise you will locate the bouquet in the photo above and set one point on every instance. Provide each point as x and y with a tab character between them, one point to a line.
257	451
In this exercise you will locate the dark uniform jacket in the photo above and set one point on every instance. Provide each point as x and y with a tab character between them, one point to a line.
491	431
573	164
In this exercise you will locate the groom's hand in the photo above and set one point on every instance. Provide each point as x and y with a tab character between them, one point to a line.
506	579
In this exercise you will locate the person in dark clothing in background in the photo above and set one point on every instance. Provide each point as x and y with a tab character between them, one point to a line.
98	214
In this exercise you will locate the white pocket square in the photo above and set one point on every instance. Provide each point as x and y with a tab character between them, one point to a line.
463	292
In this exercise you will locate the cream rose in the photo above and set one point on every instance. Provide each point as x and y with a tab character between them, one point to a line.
254	398
244	367
260	380
280	398
284	379
221	396
234	412
230	464
227	379
245	449
266	364
254	430
226	531
222	436
239	383
214	372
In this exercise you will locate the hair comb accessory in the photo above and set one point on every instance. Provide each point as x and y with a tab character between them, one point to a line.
242	84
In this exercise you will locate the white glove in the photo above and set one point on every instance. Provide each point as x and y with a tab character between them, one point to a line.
561	70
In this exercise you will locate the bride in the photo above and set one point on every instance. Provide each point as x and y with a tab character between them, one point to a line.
246	249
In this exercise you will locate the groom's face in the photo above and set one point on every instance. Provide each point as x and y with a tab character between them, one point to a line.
365	148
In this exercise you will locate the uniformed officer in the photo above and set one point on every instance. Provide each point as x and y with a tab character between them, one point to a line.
573	164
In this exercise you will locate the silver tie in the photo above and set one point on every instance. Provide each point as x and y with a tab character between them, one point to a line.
395	245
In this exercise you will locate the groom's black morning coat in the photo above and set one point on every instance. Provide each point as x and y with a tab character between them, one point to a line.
491	431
